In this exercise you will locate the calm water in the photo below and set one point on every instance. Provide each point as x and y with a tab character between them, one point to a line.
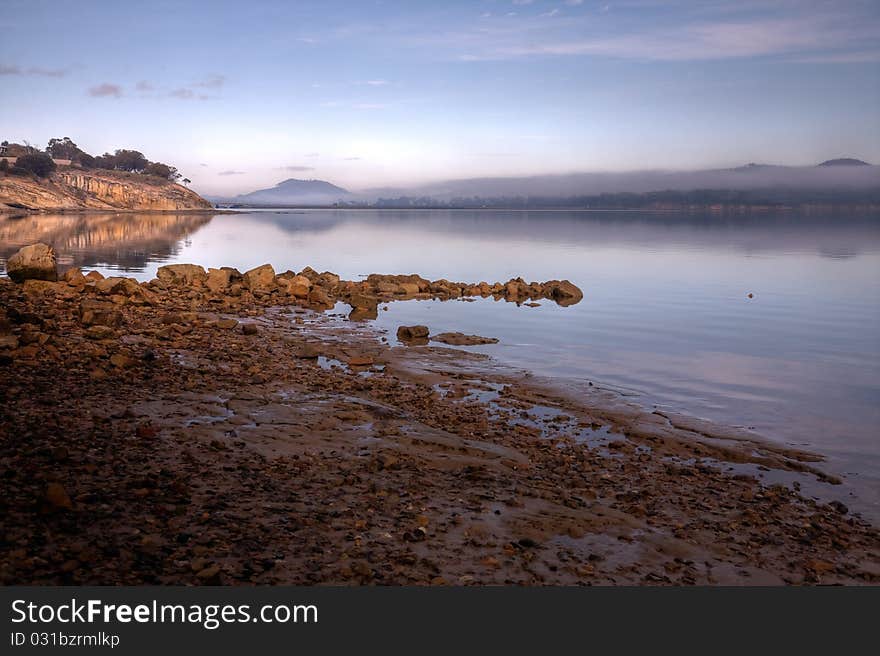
665	318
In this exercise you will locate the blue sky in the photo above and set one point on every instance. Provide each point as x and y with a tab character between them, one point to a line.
241	95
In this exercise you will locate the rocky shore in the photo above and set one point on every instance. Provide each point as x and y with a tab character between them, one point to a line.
218	427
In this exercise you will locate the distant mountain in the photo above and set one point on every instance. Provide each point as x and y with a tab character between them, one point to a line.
295	192
844	161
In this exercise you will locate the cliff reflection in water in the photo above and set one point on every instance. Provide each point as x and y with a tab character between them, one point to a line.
126	242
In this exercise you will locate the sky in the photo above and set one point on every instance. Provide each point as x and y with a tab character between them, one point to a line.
241	95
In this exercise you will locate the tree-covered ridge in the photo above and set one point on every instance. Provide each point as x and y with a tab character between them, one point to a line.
33	161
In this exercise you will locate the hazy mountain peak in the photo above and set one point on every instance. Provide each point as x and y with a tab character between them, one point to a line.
297	192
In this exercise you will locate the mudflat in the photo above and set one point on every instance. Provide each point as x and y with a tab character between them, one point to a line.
226	428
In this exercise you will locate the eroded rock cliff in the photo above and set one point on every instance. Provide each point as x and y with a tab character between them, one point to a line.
77	189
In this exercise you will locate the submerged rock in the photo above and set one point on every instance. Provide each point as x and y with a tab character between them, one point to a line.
460	339
34	262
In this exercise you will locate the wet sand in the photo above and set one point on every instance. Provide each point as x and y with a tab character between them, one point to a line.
171	433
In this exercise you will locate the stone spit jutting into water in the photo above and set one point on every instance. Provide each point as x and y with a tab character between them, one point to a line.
203	428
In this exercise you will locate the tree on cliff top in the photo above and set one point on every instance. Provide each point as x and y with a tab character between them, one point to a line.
161	170
64	148
123	160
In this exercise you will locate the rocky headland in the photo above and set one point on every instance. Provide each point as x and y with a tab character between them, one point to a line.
74	189
218	427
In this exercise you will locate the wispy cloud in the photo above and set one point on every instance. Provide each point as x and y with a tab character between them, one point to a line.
199	90
295	167
375	83
815	37
370	105
10	69
213	81
231	172
144	86
106	90
352	159
48	72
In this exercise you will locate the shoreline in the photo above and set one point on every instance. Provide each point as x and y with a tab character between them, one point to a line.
153	437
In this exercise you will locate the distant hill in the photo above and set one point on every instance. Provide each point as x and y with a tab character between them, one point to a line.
844	161
295	192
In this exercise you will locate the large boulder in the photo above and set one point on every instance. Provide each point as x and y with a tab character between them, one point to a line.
563	292
181	274
296	286
261	278
219	280
34	262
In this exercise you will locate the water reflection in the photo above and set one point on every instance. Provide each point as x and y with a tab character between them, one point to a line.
126	242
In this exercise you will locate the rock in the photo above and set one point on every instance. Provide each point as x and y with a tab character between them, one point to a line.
839	507
460	339
563	292
308	352
387	287
181	274
363	314
93	312
94	275
35	286
408	288
318	296
182	318
219	280
261	278
208	573
57	497
409	333
250	329
99	332
296	286
122	361
360	361
34	262
8	342
327	279
74	276
363	301
226	324
117	285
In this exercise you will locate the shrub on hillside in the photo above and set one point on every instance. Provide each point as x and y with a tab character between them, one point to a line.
38	164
